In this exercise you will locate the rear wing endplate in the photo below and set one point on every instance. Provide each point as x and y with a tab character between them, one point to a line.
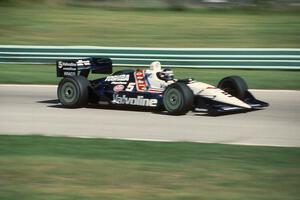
75	67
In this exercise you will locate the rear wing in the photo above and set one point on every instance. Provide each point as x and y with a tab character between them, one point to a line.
75	67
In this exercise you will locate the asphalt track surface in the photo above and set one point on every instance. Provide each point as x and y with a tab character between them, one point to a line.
26	109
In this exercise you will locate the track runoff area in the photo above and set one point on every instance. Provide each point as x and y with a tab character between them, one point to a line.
33	109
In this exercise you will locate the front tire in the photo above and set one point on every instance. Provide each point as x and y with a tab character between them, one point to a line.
234	85
72	91
178	99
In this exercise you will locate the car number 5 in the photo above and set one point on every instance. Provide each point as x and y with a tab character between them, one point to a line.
130	87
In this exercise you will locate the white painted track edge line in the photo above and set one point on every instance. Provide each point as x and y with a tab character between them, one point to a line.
27	85
158	140
111	138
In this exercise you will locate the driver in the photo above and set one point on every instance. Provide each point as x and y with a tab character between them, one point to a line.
157	78
165	75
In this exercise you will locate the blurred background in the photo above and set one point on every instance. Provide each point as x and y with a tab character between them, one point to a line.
34	167
155	23
168	4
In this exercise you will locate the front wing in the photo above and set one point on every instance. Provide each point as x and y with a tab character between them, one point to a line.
212	107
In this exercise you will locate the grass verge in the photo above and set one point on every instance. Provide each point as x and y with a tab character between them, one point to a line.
263	79
35	24
36	167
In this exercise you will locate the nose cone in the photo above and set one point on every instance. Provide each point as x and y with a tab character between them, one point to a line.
216	94
235	101
223	97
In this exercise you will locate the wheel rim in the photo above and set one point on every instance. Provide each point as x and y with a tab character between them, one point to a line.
68	92
172	99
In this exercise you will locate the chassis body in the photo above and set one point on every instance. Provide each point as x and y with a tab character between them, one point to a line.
140	88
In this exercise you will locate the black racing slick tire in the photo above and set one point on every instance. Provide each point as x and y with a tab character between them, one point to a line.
234	85
73	91
178	99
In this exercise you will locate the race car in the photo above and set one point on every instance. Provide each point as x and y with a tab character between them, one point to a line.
154	88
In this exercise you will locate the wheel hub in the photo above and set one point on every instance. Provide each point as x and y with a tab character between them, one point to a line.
68	92
173	99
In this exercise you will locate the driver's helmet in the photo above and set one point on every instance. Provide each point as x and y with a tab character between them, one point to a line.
165	75
155	66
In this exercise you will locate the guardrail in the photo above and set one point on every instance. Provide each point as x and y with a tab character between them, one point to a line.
241	58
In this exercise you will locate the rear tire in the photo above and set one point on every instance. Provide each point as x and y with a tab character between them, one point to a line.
178	99
73	92
234	85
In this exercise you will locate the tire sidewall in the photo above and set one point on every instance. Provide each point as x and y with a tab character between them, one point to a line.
236	83
178	99
72	92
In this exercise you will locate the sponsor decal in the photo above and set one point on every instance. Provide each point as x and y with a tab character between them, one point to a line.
62	64
70	73
69	69
118	83
140	80
227	94
130	87
138	101
67	64
83	62
122	77
139	73
118	88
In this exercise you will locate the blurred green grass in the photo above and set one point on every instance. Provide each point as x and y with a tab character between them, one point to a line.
36	167
52	24
261	79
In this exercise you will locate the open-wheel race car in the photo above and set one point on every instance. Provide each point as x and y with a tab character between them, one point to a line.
149	88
